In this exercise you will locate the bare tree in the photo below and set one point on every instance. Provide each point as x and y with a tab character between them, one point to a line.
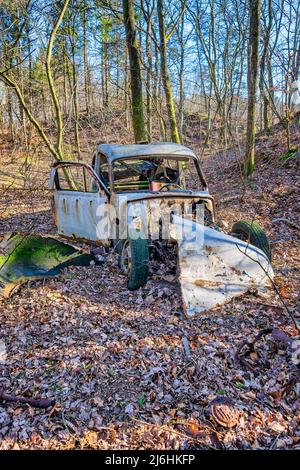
55	150
253	62
135	72
164	37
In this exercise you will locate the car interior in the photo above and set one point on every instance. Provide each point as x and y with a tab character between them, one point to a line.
145	174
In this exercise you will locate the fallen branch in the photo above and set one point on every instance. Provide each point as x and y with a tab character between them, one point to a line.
287	221
274	287
42	403
186	346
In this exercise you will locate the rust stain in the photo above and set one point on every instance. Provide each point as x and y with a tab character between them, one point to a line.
207	283
209	249
237	271
54	212
64	206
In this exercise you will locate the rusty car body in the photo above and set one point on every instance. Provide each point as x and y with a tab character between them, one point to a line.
143	197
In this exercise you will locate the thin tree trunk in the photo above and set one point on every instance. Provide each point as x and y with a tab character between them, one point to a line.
156	96
165	74
103	76
135	71
253	61
265	100
126	93
10	115
86	64
75	100
22	114
148	79
65	87
181	78
30	80
56	104
106	77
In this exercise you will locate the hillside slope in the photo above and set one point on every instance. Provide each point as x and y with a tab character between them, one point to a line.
125	368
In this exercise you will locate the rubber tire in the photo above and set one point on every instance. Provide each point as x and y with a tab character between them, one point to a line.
138	274
254	234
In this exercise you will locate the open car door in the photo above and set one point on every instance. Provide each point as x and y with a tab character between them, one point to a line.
78	202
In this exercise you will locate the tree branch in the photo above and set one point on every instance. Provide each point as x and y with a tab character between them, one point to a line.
51	82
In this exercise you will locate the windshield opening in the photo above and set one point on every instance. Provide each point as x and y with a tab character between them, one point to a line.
155	174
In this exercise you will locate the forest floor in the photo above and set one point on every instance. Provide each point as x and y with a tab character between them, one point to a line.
116	362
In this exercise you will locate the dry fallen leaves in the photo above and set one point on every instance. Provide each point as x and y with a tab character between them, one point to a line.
117	362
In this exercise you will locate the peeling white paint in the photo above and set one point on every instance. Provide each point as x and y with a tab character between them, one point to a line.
218	269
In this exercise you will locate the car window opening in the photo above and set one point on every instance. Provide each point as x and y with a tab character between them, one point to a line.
148	174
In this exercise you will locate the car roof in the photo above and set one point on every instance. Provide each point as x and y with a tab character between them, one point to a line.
117	151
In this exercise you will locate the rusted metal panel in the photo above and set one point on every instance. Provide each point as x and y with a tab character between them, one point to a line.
118	151
77	214
215	267
28	257
154	212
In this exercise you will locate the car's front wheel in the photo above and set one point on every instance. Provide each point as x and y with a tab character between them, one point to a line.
133	259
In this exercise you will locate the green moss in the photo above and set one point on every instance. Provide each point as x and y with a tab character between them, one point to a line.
284	157
250	165
33	257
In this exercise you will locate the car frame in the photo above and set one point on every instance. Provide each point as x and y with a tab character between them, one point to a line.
76	213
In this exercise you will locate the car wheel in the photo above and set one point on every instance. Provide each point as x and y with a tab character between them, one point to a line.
250	231
133	260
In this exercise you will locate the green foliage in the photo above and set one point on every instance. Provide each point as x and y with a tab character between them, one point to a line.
286	156
141	400
240	385
38	73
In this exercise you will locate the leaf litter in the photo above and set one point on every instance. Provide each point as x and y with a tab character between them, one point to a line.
126	369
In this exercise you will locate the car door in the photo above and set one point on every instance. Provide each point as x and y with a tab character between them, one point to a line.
79	202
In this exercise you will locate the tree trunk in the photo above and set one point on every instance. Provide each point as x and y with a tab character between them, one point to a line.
253	61
135	72
148	79
126	81
55	101
85	63
165	74
181	77
75	100
10	115
262	86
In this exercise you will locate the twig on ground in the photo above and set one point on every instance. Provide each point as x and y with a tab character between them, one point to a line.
42	403
186	346
274	287
282	219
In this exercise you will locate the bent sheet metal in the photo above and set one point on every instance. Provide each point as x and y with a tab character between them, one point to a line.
215	267
28	257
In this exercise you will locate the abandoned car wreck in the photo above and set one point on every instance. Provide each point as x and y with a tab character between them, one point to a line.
141	200
145	201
